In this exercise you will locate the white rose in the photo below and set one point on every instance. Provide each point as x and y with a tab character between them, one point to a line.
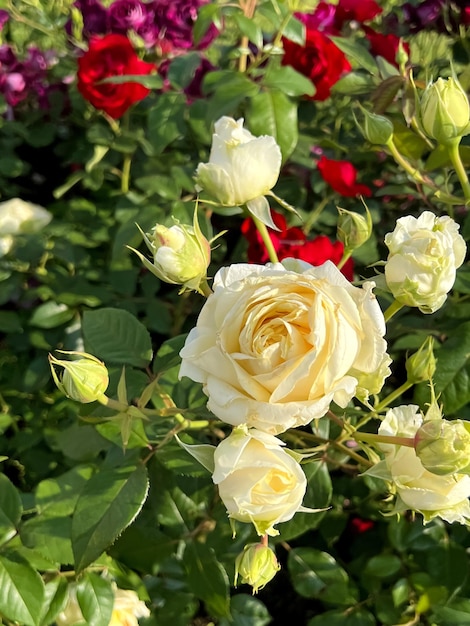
424	255
242	168
420	490
274	347
258	481
18	217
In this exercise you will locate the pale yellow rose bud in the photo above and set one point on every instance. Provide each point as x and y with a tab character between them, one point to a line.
181	254
377	129
84	378
353	229
256	566
421	365
445	110
443	446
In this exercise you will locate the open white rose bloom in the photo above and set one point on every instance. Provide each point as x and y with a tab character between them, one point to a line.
429	494
274	347
242	168
19	217
258	480
424	255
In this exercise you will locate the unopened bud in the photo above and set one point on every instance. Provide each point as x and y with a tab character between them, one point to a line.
377	129
401	56
443	446
421	365
83	378
181	254
353	229
445	110
256	566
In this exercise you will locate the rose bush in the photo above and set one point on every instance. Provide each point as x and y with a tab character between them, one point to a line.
424	254
430	494
274	347
108	56
258	481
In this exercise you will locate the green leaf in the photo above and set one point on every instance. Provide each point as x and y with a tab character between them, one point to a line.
354	84
289	81
452	376
383	566
356	51
168	354
55	599
10	322
50	315
295	31
166	120
227	89
273	113
22	591
116	336
246	611
207	579
95	597
10	509
250	29
50	536
151	81
56	497
109	502
182	69
316	574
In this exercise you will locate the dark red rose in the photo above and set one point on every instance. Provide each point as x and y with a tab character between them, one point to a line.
341	176
291	242
320	60
111	55
385	46
349	10
359	525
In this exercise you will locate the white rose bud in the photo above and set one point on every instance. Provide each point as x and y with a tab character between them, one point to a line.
445	110
256	566
242	168
82	377
274	347
181	254
258	481
18	217
424	254
430	494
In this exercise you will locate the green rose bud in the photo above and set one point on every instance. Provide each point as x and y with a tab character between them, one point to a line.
181	254
256	566
353	229
445	110
443	446
84	378
377	129
421	365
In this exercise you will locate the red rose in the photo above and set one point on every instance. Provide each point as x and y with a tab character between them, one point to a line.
349	10
111	55
341	176
385	46
292	243
320	60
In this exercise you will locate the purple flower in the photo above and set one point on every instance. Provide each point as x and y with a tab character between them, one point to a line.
175	20
323	18
124	15
425	14
94	17
4	17
13	88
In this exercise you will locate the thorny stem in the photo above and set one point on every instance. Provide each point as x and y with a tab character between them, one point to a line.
346	256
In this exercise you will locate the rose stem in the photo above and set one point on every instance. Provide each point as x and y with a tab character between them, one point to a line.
454	154
391	397
263	231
